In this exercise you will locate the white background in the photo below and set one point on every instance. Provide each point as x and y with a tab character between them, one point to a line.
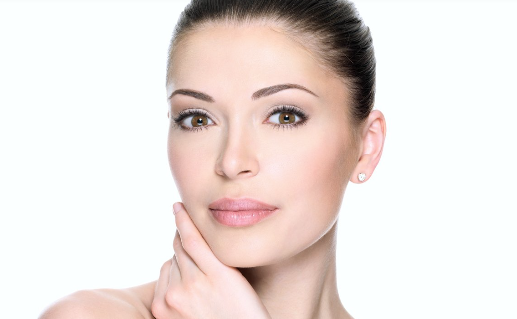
86	192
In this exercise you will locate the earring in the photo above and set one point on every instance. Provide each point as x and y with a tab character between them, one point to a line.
361	177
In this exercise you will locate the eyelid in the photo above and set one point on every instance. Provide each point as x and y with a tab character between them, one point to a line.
189	112
298	112
289	109
182	115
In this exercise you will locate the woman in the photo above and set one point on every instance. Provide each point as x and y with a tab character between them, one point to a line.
271	116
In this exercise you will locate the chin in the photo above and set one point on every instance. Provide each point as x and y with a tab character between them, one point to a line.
243	257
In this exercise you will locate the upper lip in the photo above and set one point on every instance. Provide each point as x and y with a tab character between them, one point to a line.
239	204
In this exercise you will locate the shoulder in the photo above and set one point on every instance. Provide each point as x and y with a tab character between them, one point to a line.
131	303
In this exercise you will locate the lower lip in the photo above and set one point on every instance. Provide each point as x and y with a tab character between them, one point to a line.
240	218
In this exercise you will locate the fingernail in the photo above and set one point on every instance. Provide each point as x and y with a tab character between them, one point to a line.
176	208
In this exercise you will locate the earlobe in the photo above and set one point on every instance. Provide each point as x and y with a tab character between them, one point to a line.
372	140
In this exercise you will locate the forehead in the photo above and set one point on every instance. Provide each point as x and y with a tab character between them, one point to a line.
226	58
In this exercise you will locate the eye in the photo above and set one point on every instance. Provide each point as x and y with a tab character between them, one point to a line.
193	119
284	118
287	116
197	121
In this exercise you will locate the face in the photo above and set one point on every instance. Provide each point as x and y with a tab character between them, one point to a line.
290	146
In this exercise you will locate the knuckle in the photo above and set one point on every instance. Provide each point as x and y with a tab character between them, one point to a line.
197	286
158	309
181	223
173	299
190	244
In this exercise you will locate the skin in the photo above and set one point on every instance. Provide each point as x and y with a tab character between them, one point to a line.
284	266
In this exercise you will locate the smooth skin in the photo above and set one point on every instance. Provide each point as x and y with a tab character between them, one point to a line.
284	266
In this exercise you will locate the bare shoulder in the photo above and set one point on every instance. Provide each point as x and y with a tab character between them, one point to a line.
131	303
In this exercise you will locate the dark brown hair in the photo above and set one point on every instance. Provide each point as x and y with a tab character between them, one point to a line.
331	29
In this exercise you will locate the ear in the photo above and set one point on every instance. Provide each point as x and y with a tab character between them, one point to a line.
372	141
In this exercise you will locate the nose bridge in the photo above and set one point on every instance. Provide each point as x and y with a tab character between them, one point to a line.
238	153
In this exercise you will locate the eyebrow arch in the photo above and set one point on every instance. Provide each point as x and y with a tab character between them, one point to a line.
194	94
257	95
277	88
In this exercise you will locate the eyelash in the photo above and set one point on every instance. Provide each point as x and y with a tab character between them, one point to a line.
279	109
289	109
186	113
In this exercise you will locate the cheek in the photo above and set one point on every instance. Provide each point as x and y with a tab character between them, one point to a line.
310	177
189	163
312	167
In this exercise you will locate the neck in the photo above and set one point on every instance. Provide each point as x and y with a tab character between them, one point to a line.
303	286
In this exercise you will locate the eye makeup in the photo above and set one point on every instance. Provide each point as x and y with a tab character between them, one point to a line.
281	109
178	121
301	118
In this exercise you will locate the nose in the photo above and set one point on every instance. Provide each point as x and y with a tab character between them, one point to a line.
238	156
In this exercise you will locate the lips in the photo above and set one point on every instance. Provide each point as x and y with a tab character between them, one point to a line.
240	212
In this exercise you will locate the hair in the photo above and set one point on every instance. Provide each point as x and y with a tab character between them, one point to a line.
332	30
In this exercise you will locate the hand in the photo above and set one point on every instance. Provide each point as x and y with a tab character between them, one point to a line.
195	284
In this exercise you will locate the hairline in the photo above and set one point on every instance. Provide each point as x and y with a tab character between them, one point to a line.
275	24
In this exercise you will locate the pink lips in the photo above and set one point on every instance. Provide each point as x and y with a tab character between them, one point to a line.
240	212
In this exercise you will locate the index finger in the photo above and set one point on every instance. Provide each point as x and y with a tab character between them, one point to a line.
194	243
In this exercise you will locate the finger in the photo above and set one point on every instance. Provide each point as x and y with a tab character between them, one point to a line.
193	243
161	287
174	273
187	267
166	290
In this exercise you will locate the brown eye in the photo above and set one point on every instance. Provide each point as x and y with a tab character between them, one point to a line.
286	118
195	120
199	120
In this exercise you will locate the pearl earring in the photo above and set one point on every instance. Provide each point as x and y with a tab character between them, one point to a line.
361	177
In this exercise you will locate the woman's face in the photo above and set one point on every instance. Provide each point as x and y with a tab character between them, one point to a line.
291	146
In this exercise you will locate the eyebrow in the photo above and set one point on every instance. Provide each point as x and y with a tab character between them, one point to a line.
277	88
194	94
257	95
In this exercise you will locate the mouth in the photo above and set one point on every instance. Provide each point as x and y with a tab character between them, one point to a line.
240	212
